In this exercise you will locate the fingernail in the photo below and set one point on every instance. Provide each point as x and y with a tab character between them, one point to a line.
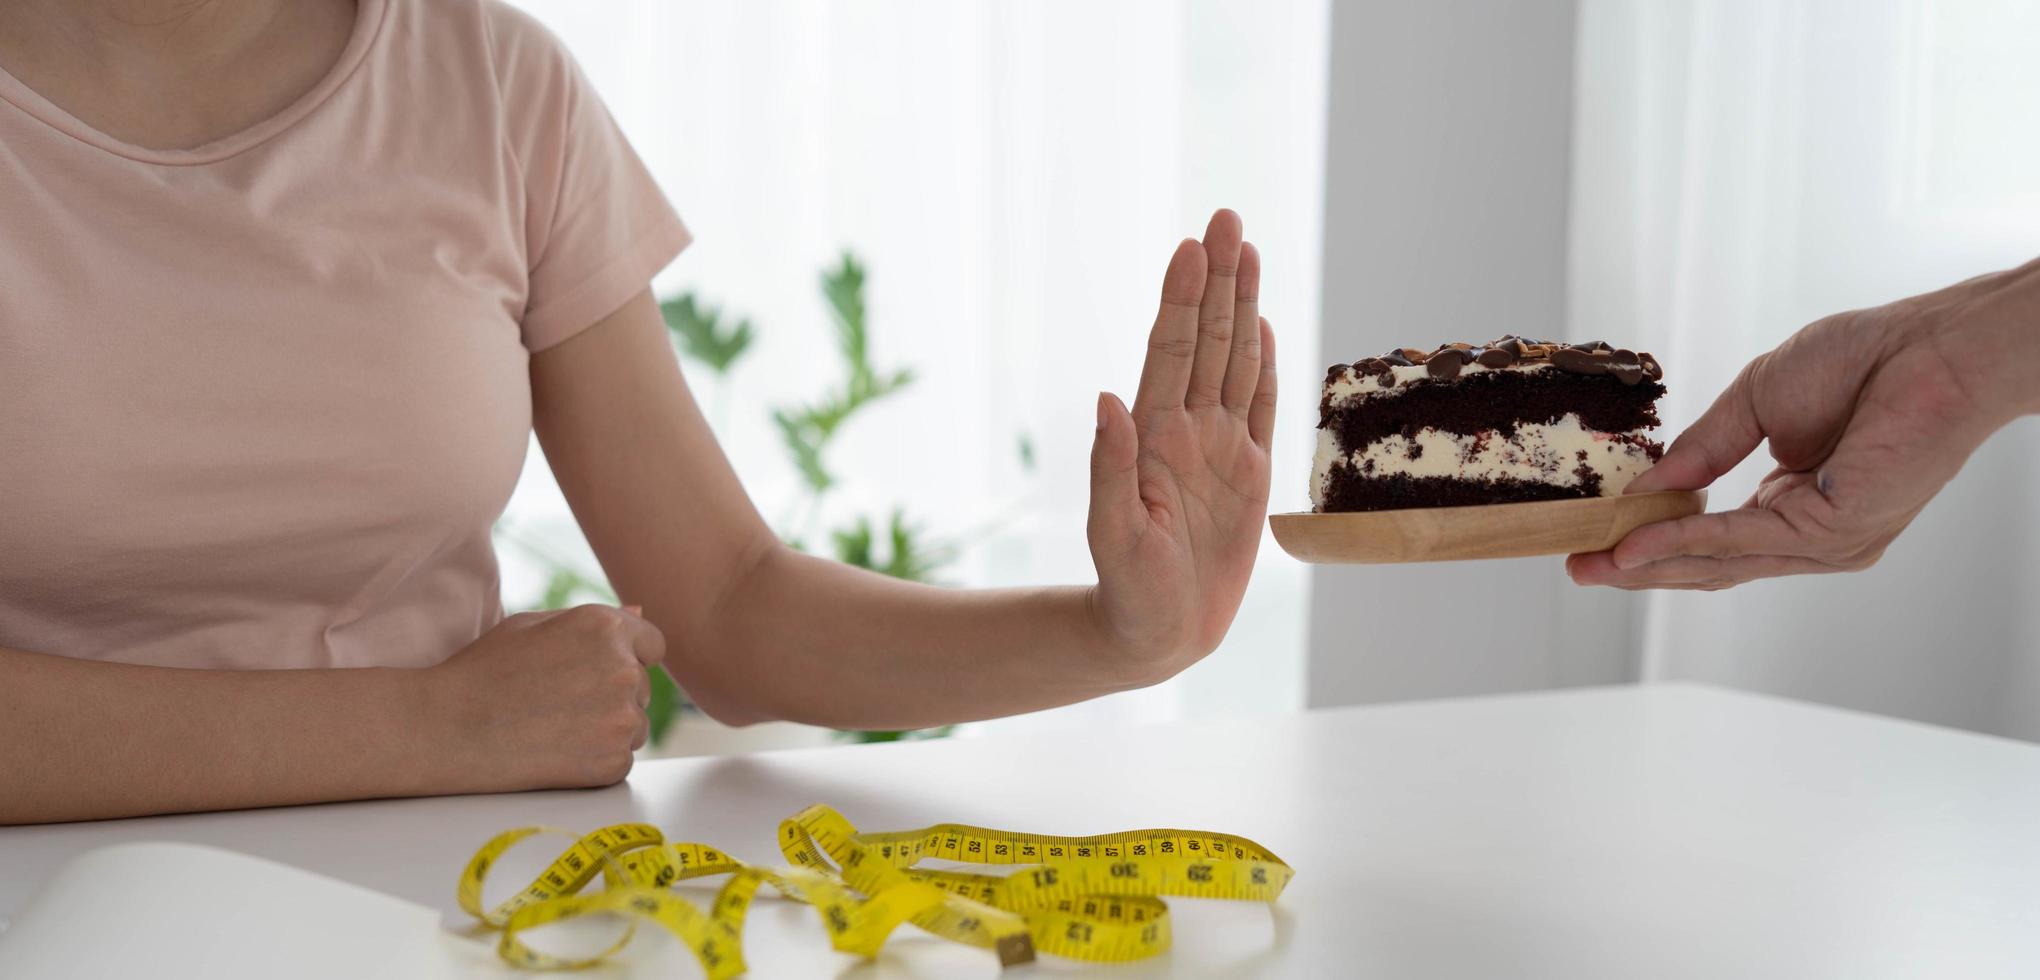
634	610
1101	411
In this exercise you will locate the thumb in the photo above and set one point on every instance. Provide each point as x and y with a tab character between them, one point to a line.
1722	437
1115	478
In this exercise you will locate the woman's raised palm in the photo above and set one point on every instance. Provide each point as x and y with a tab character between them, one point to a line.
1179	485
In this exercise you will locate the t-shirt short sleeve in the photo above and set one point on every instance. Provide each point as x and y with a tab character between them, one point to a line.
596	226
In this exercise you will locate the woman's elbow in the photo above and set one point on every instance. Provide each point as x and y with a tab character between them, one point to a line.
730	711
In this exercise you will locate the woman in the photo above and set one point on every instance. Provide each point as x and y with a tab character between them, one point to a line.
283	286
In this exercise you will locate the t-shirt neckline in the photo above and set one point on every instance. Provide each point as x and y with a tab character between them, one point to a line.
368	18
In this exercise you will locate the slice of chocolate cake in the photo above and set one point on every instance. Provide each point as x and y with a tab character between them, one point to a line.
1511	421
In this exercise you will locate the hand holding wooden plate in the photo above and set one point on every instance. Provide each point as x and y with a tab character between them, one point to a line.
1545	527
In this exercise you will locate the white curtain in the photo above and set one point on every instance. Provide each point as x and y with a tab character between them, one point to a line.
1014	175
1742	168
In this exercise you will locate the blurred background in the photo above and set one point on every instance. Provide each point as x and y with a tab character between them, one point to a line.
968	204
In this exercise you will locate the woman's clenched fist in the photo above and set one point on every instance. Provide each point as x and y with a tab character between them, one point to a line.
545	700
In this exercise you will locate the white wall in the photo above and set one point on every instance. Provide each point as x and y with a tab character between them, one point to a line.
1449	143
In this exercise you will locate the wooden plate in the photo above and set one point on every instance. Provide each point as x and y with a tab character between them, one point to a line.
1548	527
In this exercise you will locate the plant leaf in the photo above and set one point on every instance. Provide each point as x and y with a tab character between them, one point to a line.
803	441
913	557
808	430
853	545
559	589
904	563
907	736
698	329
664	708
565	587
908	555
843	287
881	387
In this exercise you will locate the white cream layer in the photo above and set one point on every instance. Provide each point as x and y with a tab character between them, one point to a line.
1352	383
1539	453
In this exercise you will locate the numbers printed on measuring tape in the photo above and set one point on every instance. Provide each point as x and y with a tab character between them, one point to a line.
1090	898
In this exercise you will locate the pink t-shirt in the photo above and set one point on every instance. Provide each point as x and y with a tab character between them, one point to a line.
261	401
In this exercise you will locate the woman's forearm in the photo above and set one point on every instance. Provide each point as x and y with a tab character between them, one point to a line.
800	638
84	740
756	631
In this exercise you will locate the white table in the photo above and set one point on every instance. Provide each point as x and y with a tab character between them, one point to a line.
1662	831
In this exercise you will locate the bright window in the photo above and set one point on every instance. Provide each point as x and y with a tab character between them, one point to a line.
1013	176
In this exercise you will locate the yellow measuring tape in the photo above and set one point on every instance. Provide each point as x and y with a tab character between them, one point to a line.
1087	898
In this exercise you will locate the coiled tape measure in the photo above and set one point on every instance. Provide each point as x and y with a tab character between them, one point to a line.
1086	898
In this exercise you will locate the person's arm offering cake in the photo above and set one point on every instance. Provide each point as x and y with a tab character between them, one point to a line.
1514	420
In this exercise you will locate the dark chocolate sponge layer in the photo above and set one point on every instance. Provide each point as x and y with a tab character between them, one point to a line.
1347	490
1494	400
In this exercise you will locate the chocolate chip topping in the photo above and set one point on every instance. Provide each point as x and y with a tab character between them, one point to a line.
1447	362
1591	358
1625	366
1579	361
